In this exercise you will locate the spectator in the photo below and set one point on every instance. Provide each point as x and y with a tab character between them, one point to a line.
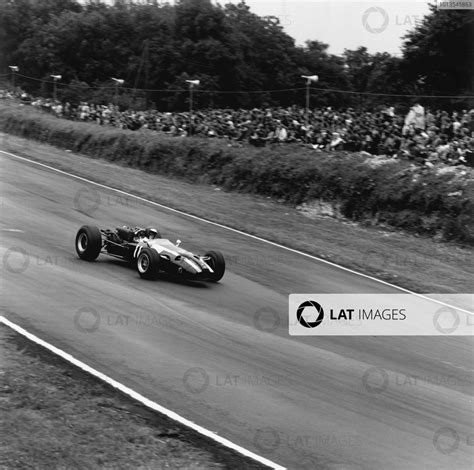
431	136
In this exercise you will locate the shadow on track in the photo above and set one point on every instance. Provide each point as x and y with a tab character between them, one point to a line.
161	277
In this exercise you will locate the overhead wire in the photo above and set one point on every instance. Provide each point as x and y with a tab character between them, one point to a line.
278	90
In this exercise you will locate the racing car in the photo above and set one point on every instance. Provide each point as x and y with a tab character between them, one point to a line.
149	252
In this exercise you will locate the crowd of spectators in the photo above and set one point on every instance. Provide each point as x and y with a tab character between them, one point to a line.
440	136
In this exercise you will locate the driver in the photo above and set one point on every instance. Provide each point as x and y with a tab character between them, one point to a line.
138	233
145	234
151	233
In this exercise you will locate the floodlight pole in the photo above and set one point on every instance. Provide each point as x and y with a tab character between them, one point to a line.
118	82
192	84
14	69
55	79
309	79
307	99
191	87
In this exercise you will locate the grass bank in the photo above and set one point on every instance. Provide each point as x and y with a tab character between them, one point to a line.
53	415
436	202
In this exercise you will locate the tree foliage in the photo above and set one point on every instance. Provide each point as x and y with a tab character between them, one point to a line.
439	52
229	48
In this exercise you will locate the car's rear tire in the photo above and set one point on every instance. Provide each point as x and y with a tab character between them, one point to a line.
148	263
88	242
217	263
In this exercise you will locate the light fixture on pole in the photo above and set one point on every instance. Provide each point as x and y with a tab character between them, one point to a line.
55	79
192	84
14	69
118	82
309	79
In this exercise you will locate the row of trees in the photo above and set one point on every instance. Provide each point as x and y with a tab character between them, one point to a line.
229	48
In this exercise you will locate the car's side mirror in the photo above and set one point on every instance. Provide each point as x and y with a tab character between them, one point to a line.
178	242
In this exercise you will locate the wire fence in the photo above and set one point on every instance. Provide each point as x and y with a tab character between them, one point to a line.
278	90
175	98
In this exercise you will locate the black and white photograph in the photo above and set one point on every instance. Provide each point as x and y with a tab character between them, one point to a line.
237	234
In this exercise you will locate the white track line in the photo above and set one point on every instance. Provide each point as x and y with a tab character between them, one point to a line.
302	253
138	397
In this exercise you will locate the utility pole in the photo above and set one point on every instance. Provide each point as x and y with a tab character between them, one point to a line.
309	80
192	84
14	69
118	82
55	79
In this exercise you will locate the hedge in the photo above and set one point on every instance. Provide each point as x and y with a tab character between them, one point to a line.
434	201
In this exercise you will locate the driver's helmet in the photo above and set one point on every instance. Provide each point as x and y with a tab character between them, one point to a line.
151	233
139	233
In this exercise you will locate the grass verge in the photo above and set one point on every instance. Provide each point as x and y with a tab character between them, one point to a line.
53	415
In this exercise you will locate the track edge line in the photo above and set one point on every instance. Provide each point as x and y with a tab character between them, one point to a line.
138	397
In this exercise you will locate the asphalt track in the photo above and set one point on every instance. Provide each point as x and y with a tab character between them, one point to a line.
220	355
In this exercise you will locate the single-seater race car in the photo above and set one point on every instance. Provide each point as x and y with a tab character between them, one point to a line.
149	252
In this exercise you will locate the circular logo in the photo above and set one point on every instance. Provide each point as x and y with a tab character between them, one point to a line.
266	319
196	380
16	260
446	312
313	305
87	320
266	439
446	440
375	12
87	200
375	380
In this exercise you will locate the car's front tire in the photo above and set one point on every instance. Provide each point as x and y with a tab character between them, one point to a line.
147	263
88	242
217	263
